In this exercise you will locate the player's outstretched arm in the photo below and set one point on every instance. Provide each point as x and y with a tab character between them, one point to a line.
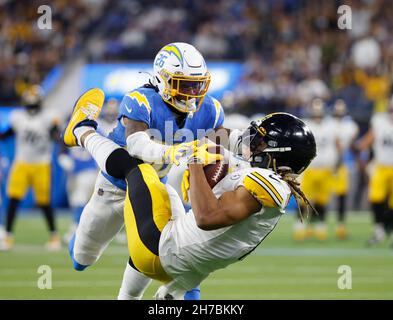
212	213
140	146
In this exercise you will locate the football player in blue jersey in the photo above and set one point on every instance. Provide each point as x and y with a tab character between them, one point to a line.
157	123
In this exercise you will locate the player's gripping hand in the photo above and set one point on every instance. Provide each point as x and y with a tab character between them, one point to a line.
185	185
202	155
175	152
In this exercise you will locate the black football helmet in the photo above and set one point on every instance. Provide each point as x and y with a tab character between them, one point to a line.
32	99
280	136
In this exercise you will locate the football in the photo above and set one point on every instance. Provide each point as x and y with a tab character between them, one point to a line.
215	172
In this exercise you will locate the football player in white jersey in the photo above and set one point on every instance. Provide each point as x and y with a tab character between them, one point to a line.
380	138
34	131
225	224
317	179
349	131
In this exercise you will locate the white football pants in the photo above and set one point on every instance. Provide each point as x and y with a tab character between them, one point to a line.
102	218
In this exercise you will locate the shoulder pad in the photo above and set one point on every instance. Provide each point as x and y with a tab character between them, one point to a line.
267	187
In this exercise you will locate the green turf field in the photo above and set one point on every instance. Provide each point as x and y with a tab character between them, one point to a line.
278	269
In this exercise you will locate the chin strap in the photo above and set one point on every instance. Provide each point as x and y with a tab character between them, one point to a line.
190	103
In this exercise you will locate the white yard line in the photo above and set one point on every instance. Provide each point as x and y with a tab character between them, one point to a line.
324	252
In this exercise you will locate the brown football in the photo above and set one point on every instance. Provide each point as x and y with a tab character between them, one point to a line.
215	172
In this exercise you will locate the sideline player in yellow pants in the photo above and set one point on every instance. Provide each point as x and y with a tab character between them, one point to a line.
316	181
348	132
34	131
380	137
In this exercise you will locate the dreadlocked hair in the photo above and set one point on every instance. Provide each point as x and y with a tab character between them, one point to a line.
291	179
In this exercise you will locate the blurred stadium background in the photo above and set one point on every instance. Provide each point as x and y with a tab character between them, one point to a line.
264	56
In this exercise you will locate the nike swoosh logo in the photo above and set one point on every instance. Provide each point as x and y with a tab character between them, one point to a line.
129	109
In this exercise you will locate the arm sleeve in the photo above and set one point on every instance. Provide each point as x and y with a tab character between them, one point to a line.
139	145
135	106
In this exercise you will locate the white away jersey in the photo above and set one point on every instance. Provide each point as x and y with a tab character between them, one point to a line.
382	126
325	133
189	254
348	130
33	142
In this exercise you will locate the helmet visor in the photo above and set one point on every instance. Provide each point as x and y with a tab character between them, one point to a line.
190	87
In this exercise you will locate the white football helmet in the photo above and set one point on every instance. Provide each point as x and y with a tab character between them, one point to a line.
181	76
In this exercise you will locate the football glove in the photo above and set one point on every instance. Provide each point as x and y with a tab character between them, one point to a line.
201	155
185	185
175	152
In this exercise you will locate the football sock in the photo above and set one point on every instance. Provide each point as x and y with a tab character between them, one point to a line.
321	209
378	212
388	220
80	131
11	214
133	285
99	147
110	158
341	207
49	217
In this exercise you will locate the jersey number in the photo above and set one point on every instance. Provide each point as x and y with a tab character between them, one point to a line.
31	137
388	142
160	60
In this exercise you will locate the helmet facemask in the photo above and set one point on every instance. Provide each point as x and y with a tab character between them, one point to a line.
185	93
261	150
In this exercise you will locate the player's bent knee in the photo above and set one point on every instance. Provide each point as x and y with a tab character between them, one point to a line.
77	266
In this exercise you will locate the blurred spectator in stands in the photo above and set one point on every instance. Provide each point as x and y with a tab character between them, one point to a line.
28	53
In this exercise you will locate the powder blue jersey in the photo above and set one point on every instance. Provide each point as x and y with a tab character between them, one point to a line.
146	105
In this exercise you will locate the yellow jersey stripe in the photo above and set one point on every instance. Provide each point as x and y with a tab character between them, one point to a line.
269	185
261	193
